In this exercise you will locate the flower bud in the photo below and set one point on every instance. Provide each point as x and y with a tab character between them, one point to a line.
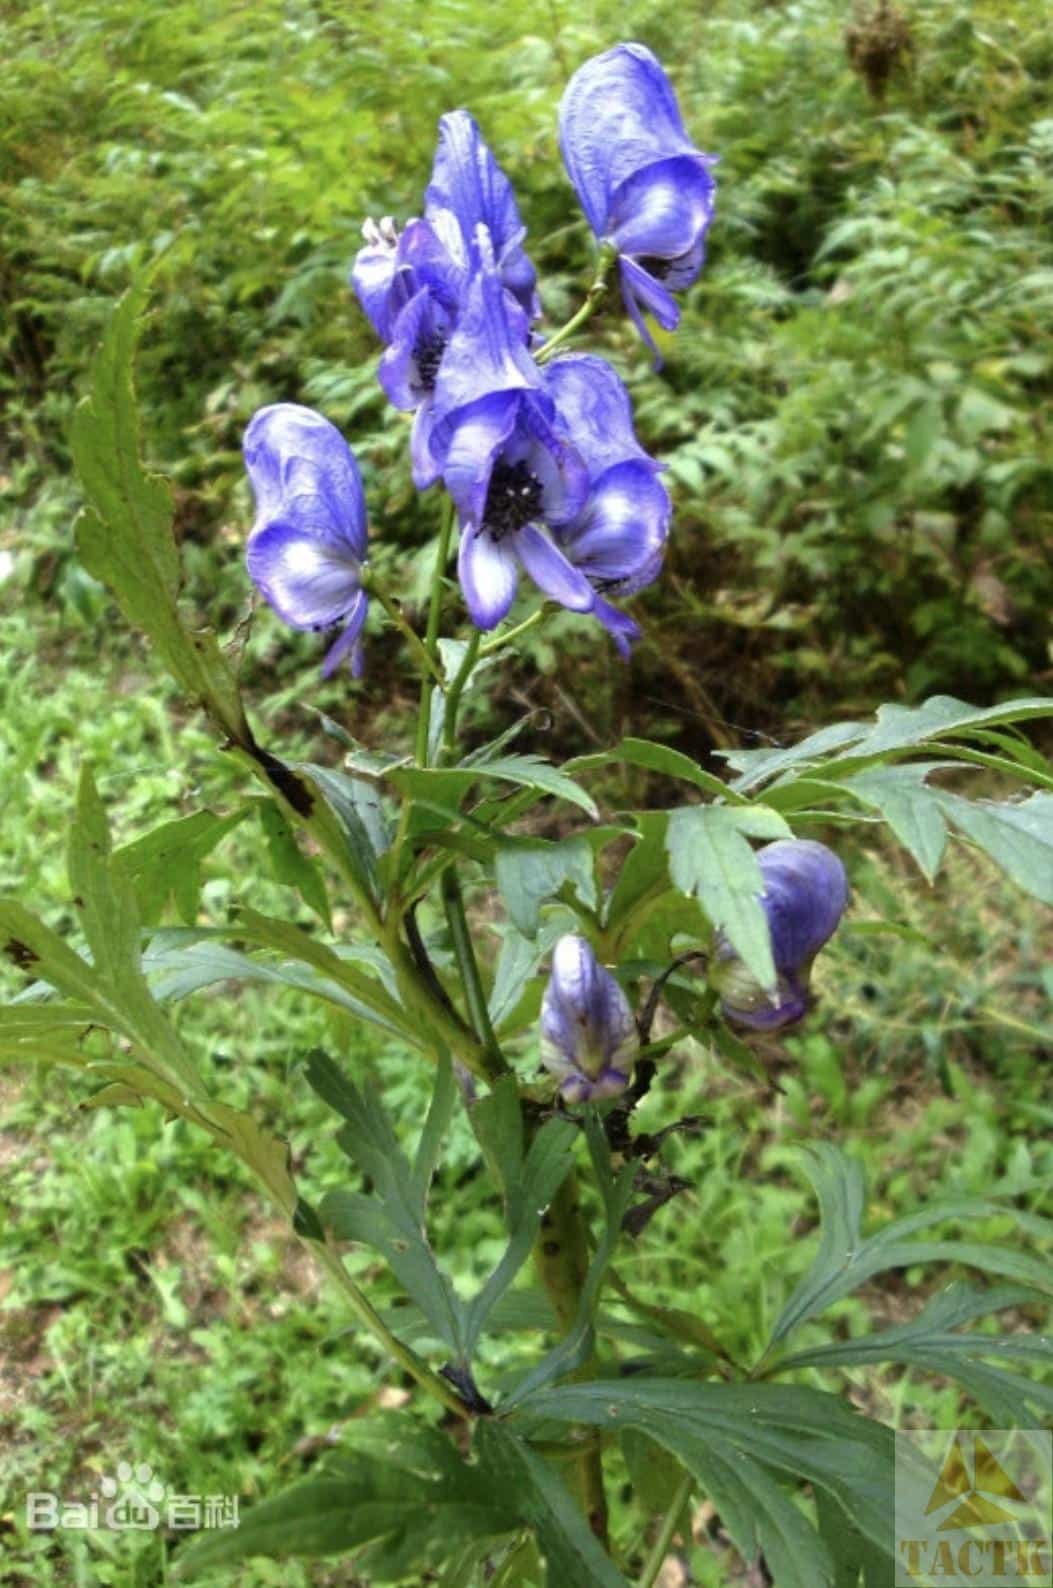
804	898
588	1035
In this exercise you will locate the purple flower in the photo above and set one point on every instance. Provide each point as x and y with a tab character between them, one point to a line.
411	289
643	185
414	286
618	539
513	475
805	895
308	543
467	190
588	1035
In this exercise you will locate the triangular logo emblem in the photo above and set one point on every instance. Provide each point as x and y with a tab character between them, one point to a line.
952	1482
978	1508
992	1477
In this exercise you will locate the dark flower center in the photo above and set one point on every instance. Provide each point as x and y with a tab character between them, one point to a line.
427	355
658	268
513	499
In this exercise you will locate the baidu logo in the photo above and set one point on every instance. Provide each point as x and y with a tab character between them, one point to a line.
132	1501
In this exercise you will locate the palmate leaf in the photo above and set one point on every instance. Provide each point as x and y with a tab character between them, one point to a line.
911	809
289	864
515	997
166	863
931	1342
659	758
1016	834
178	964
124	534
856	1559
354	809
528	1185
530	871
391	1218
845	1259
710	857
45	1033
444	788
1018	837
541	1500
743	1442
180	961
399	1503
896	728
112	986
575	1347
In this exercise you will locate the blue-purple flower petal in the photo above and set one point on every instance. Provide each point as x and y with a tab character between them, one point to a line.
618	114
619	540
468	185
589	1039
594	410
489	573
805	895
621	628
550	570
468	442
664	210
309	582
308	542
349	644
392	268
487	352
646	190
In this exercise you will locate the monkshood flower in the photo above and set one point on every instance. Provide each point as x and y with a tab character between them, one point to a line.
308	543
618	539
588	1035
645	189
467	190
411	289
512	473
804	898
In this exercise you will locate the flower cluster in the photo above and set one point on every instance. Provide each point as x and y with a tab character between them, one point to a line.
535	449
589	1039
538	454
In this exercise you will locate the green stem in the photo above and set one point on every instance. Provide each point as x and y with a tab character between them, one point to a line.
474	992
561	1260
449	1028
593	298
498	641
370	1319
431	637
397	616
649	1575
454	693
315	818
416	994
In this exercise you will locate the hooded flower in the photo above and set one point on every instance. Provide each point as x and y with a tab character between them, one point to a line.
588	1035
411	289
513	475
805	895
618	539
643	185
467	190
308	543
